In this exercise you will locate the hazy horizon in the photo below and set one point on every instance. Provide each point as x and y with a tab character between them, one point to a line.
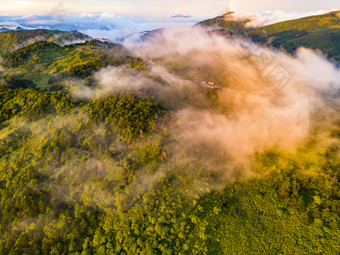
114	26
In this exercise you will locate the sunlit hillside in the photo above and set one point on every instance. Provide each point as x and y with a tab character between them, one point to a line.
185	142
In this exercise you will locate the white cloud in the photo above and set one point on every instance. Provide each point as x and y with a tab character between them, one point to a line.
271	17
283	5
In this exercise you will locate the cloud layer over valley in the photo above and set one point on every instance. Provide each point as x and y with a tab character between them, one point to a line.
263	98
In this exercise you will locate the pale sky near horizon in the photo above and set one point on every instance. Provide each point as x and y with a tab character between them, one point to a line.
164	8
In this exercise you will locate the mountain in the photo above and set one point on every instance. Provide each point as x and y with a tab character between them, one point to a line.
5	28
14	39
43	59
317	32
320	32
227	22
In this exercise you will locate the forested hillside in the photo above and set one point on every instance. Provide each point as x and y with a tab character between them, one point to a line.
47	63
320	32
316	32
12	40
116	171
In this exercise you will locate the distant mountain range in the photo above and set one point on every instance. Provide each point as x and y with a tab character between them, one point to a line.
181	16
320	32
5	28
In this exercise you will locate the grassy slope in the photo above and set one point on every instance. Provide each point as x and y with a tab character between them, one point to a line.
310	24
317	32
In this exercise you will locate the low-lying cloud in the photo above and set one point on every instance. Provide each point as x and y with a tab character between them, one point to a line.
105	25
255	108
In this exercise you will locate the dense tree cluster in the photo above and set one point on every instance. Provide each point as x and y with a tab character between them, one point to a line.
16	82
20	56
127	112
31	103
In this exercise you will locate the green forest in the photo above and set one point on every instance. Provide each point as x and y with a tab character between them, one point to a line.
102	175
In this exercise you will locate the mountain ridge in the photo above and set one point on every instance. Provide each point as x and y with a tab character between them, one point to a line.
14	39
318	32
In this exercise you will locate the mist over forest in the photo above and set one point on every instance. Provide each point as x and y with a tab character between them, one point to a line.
217	138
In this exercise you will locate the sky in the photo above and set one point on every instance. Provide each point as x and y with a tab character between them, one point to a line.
164	8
